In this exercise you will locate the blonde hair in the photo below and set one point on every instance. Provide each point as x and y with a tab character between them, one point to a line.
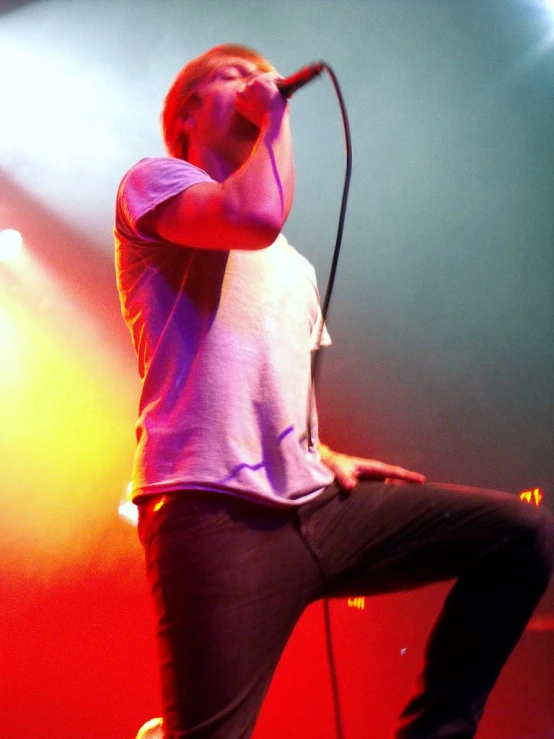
183	91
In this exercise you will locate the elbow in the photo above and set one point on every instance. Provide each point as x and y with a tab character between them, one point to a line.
264	234
255	230
268	221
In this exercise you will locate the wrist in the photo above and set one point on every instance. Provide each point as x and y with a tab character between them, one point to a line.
275	118
326	454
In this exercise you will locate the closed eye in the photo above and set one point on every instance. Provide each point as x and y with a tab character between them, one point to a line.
235	71
230	74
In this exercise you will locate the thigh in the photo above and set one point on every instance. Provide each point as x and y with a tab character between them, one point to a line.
229	580
383	537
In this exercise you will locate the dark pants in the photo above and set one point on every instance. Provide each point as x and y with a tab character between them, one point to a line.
230	579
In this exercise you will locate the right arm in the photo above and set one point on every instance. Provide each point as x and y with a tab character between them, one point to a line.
249	208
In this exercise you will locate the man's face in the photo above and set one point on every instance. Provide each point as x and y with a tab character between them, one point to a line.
216	121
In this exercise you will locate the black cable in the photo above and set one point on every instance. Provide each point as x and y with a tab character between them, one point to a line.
315	370
345	189
338	241
332	669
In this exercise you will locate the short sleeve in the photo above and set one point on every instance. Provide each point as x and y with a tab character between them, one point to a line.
149	183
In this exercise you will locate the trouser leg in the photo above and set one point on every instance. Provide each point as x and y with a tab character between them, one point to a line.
229	581
382	537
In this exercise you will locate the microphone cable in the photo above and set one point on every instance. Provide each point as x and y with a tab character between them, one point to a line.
316	363
316	367
344	201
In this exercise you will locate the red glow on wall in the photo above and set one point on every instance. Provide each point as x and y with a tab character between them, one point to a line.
532	496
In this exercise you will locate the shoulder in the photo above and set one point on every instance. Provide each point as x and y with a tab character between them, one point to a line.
150	182
161	172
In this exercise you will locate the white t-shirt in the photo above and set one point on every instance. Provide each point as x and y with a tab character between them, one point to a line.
223	340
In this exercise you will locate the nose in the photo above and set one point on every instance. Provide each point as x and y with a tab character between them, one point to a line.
252	75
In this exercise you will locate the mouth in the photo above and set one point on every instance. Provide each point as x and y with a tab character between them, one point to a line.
244	128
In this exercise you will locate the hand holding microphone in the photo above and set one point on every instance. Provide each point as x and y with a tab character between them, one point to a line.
256	96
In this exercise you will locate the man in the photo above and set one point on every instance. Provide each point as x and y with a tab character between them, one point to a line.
245	516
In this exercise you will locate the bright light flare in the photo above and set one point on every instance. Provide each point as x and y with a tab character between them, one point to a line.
540	5
65	406
544	10
11	244
533	497
72	100
128	512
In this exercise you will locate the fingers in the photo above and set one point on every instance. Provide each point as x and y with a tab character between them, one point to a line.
258	97
399	473
373	468
348	470
347	480
345	470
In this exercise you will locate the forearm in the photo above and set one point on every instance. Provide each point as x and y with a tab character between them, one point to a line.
262	190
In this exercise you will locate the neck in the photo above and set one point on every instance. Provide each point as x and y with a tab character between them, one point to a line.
221	161
218	168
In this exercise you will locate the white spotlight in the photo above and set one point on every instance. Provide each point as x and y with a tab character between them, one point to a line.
10	244
128	512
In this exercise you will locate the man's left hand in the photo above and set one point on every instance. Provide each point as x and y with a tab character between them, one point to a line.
348	470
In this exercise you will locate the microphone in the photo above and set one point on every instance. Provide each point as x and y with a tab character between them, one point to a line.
290	85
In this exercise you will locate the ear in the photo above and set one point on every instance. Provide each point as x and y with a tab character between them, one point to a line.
187	122
188	119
